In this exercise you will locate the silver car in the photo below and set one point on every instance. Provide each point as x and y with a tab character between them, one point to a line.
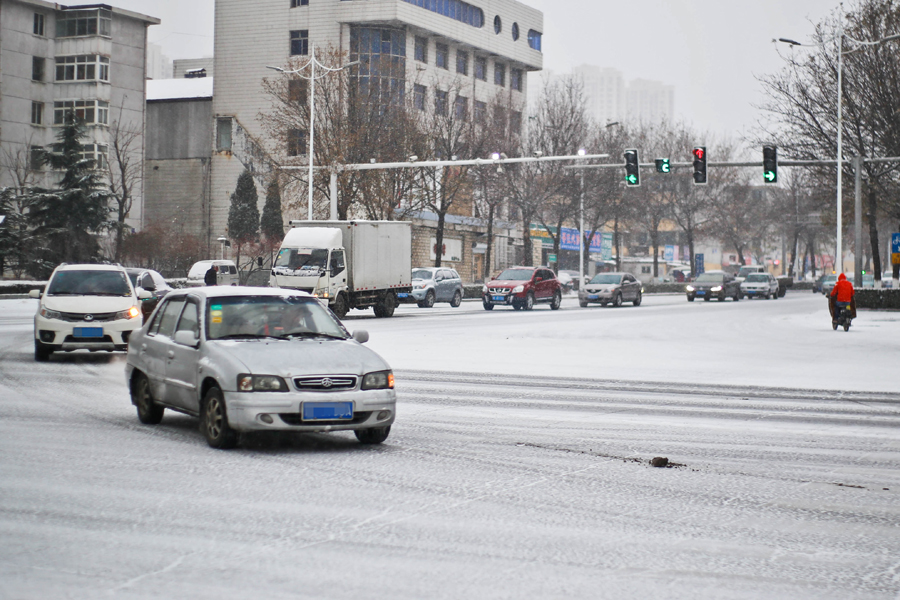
760	285
257	359
436	284
611	288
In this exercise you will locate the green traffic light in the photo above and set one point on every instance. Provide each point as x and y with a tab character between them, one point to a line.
631	179
662	165
769	176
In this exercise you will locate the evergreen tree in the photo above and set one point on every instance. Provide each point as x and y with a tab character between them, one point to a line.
243	216
69	216
272	222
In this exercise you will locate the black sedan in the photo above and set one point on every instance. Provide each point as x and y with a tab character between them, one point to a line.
714	284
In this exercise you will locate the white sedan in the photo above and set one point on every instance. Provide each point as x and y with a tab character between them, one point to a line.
258	359
760	285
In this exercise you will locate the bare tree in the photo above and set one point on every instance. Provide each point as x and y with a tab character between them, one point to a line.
123	171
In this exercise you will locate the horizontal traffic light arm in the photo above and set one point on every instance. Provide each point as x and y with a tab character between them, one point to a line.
781	163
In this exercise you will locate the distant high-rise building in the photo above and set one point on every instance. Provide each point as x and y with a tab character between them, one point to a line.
648	101
159	66
604	91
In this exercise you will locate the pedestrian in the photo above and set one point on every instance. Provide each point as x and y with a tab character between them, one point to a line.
212	276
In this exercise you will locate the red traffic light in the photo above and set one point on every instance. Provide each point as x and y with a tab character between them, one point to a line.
699	153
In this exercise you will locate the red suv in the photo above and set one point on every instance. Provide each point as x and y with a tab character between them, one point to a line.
522	287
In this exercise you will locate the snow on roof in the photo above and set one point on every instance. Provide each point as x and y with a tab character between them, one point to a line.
179	89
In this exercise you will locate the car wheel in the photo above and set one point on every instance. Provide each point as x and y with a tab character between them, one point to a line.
375	435
428	302
617	300
637	299
557	300
41	352
340	307
487	306
214	421
690	298
457	299
529	301
385	308
148	411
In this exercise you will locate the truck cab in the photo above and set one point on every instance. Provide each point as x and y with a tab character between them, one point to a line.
311	260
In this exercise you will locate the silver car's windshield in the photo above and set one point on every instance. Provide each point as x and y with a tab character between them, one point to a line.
606	279
89	283
248	317
757	278
421	274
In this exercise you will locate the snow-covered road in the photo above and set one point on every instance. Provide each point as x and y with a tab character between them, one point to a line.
518	466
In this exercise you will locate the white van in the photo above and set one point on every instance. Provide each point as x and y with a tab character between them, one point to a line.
227	275
86	307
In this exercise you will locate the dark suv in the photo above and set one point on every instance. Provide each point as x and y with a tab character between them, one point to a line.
521	288
714	284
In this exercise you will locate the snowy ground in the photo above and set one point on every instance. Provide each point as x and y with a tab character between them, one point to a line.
517	467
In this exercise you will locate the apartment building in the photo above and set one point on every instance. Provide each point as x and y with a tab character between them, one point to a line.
604	91
90	59
650	101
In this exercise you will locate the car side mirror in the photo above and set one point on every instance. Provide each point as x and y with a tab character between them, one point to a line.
186	338
361	336
35	293
143	294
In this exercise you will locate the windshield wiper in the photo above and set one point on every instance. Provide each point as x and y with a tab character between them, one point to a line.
311	334
117	294
242	336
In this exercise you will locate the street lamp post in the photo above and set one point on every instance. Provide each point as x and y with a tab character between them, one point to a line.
312	63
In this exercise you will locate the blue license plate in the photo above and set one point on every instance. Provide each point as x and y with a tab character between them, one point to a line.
403	295
593	296
701	293
498	298
327	411
87	332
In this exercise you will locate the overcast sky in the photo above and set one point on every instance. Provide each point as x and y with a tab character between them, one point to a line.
710	50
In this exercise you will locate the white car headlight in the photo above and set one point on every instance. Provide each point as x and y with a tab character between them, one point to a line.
518	289
260	383
380	380
689	288
49	314
132	313
718	288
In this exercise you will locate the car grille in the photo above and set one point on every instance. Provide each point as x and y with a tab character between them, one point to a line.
498	290
79	317
325	384
295	419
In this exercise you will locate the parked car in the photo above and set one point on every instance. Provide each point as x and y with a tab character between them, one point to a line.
568	279
817	284
153	282
227	274
436	284
522	288
714	284
760	285
827	283
258	359
611	288
86	307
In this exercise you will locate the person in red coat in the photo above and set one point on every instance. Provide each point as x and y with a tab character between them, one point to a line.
842	296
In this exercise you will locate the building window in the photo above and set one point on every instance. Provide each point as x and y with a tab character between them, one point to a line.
462	62
498	25
515	79
223	134
515	122
296	3
97	153
419	92
91	112
298	91
381	74
481	68
36	157
37	68
73	23
421	49
515	32
37	113
480	111
300	42
499	74
534	39
82	68
440	103
461	108
455	9
296	142
442	56
38	24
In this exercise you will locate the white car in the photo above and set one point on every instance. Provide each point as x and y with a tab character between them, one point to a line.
227	273
258	359
760	285
86	307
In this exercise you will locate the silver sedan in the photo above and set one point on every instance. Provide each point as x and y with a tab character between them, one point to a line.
258	359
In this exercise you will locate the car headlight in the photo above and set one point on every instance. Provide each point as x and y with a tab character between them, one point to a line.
689	288
132	313
260	383
718	288
49	314
321	294
518	289
379	380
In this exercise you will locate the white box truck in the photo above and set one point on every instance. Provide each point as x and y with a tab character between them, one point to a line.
351	264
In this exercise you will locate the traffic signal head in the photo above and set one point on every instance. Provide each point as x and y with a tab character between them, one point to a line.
663	166
699	154
632	168
770	164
